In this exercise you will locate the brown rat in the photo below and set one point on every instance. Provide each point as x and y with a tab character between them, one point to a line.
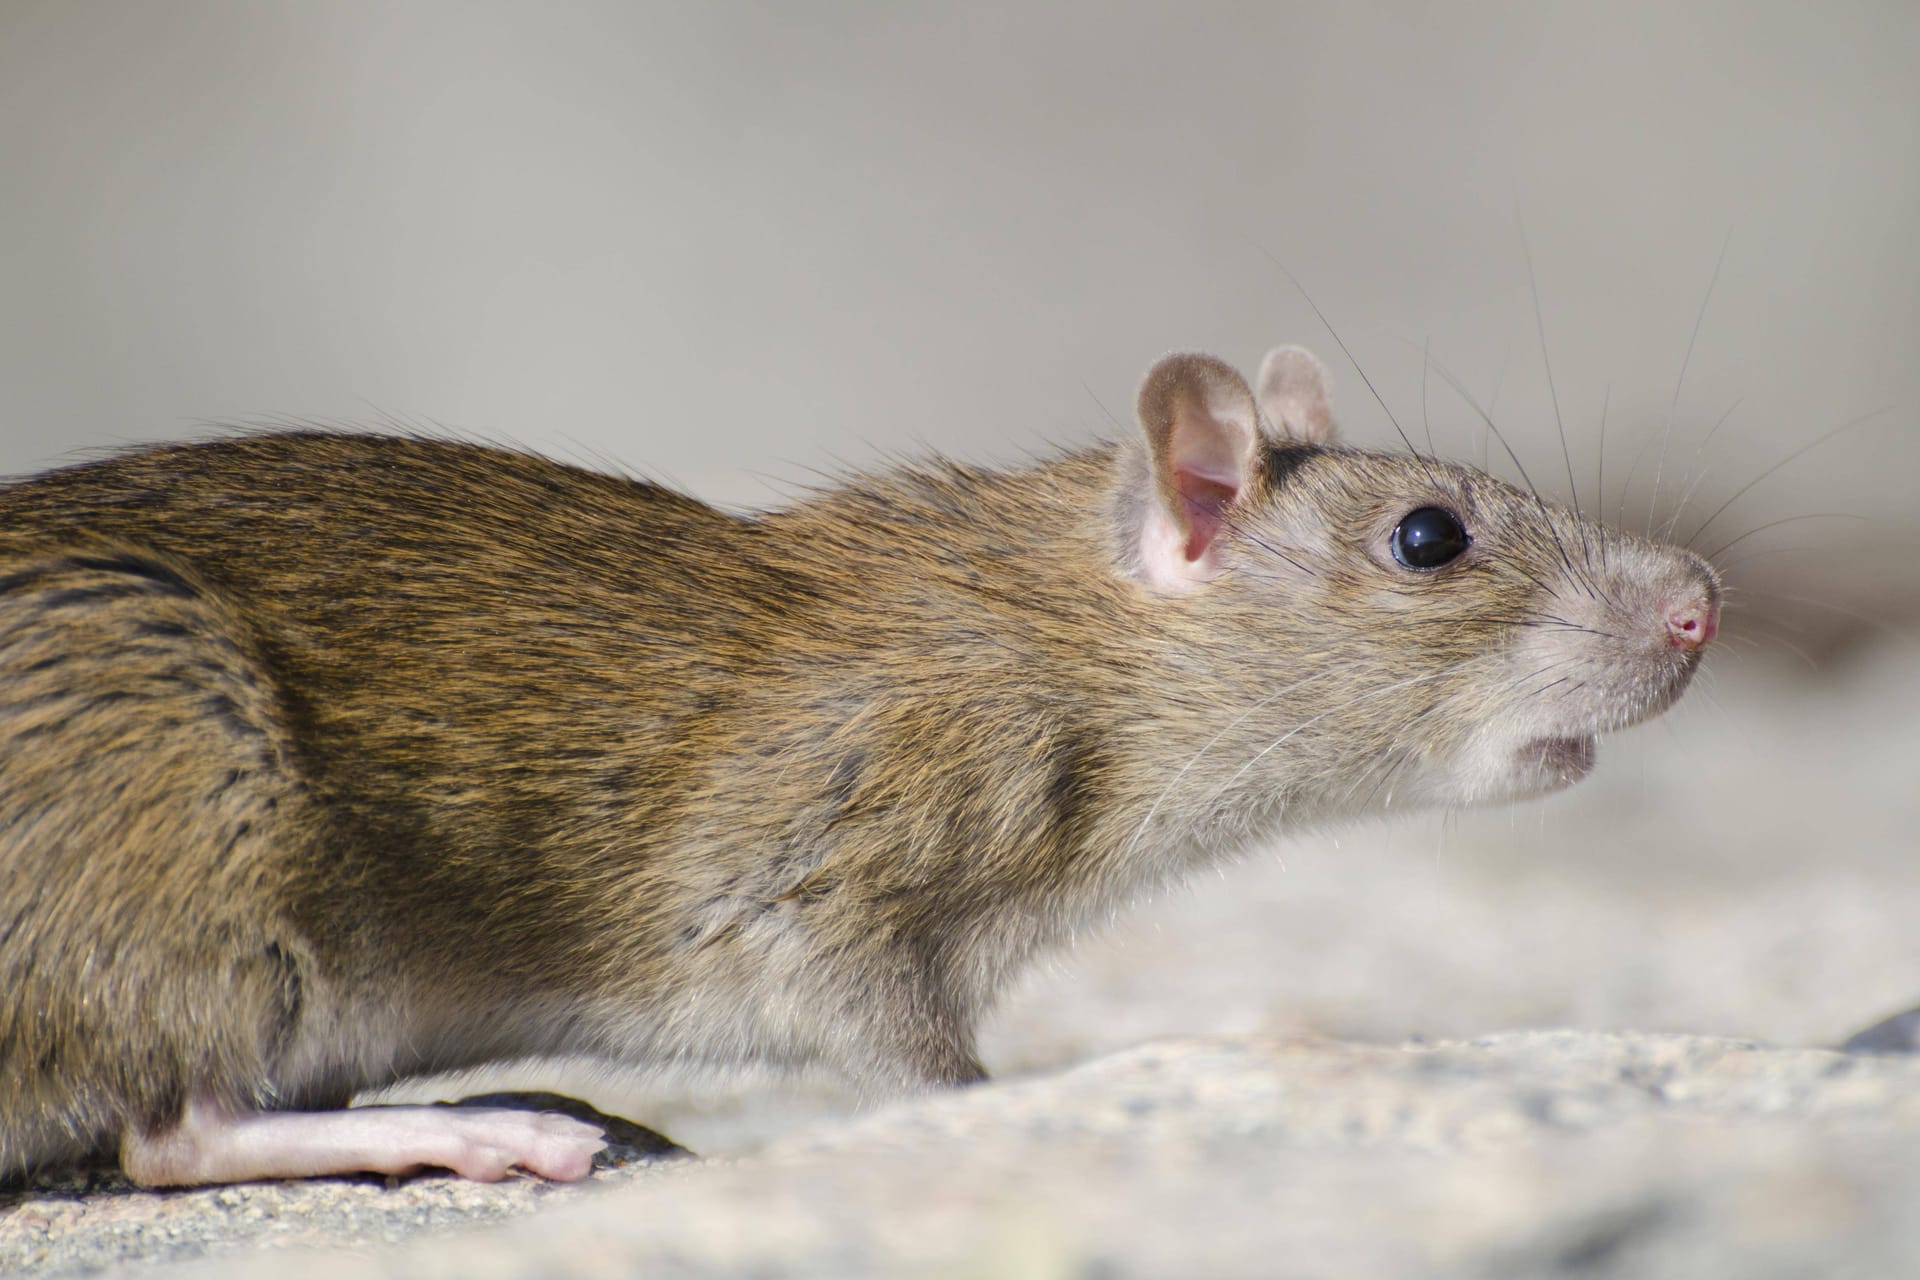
328	760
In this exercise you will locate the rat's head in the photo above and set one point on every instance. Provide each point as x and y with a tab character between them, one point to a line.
1365	629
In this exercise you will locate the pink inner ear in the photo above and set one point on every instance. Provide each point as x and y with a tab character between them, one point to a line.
1206	502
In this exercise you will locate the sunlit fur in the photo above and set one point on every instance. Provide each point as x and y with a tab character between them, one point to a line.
326	760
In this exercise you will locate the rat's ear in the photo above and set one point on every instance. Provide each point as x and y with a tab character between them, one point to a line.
1203	442
1293	395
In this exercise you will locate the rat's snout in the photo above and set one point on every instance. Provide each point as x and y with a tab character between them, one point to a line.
1693	618
1663	606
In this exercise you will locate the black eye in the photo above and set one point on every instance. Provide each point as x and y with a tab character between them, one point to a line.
1428	538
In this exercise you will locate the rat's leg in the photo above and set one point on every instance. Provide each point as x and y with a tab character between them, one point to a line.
899	1023
150	819
216	1144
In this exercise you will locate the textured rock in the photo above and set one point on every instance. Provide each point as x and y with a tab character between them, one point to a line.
1517	1155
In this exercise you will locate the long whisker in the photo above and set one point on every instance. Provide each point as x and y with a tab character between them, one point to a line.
1718	551
1313	720
1194	759
1335	334
1104	411
1546	361
1600	470
1493	397
1898	632
1626	486
1426	423
1547	518
1666	531
1269	548
1792	549
1699	319
1760	637
1803	450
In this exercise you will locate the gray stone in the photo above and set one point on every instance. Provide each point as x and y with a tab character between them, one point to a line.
1526	1154
1898	1034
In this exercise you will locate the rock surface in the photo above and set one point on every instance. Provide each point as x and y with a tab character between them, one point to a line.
1527	1154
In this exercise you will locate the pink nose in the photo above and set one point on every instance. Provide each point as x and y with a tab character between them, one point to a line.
1693	623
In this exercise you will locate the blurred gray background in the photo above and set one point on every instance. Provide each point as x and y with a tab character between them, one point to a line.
734	245
728	244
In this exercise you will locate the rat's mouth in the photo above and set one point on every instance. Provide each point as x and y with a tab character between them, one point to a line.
1515	768
1562	761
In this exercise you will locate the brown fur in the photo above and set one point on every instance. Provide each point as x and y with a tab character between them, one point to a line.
326	760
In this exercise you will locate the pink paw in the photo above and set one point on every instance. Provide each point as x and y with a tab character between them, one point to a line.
486	1145
214	1144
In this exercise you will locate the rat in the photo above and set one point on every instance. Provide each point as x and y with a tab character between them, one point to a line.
329	760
